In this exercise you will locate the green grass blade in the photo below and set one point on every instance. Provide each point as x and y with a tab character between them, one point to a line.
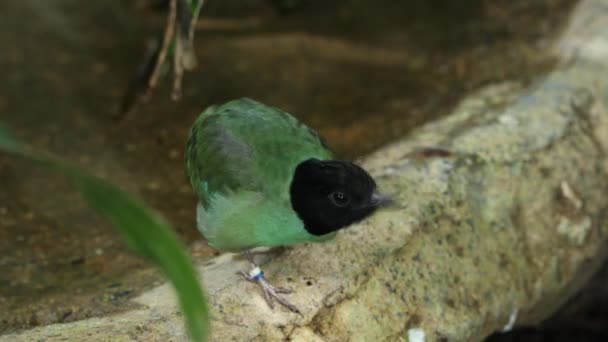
145	231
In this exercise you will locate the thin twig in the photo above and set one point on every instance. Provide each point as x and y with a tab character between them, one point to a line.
168	36
195	13
189	58
139	83
178	69
184	56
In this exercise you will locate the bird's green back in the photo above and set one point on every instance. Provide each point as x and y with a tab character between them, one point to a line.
240	160
244	145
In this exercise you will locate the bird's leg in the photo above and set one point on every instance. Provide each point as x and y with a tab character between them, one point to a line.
256	275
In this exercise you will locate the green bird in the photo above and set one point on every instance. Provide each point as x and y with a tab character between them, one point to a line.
265	179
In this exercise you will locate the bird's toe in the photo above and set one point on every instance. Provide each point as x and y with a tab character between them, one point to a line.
283	290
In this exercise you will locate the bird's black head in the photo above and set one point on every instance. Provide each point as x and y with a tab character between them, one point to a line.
329	195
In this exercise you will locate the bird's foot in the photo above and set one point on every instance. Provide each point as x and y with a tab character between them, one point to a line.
270	292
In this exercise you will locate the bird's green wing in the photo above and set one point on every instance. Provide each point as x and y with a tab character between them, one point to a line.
244	145
216	161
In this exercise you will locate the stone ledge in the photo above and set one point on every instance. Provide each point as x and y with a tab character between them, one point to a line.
500	216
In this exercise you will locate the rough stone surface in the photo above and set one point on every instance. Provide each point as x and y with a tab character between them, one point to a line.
500	215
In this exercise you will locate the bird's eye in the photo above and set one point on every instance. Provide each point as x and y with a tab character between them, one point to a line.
339	198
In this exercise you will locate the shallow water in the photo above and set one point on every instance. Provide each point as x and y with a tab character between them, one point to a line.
361	72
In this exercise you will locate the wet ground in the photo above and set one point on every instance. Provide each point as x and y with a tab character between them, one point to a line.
360	72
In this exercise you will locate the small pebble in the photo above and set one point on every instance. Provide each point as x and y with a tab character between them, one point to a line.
174	154
153	185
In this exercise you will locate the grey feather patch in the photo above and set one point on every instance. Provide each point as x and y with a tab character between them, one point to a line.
230	146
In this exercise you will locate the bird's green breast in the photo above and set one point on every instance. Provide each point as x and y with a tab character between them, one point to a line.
244	220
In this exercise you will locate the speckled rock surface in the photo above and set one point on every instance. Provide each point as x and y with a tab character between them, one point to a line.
500	214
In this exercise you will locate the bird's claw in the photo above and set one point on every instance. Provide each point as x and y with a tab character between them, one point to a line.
271	292
283	290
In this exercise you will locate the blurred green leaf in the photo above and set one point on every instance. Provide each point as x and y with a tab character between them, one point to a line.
145	231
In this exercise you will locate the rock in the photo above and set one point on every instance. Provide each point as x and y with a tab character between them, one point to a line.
500	215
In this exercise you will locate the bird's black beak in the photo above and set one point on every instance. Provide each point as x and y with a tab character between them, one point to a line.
380	200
